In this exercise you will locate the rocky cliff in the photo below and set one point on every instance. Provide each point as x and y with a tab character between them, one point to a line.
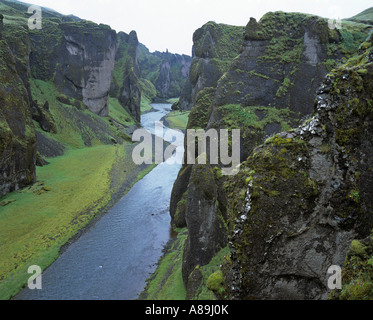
262	92
303	197
167	71
17	133
126	82
214	48
66	67
78	56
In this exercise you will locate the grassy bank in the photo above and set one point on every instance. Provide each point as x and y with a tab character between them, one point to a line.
90	168
177	120
69	193
166	282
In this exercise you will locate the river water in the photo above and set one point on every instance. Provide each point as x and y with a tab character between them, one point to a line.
114	258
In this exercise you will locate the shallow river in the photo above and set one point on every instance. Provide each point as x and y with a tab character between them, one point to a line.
115	257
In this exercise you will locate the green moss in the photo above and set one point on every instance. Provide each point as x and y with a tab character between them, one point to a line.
325	148
200	113
357	249
213	285
216	282
166	283
34	227
238	117
286	85
178	119
358	289
228	40
357	274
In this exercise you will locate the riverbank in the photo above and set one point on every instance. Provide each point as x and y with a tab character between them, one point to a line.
166	283
118	251
71	194
176	120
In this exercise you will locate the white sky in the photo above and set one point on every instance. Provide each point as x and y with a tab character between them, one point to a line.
170	24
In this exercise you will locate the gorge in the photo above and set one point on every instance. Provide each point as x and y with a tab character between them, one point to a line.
73	93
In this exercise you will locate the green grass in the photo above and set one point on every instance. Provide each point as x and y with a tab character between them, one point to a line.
145	104
244	117
178	119
363	17
69	191
79	128
118	113
167	282
36	221
173	100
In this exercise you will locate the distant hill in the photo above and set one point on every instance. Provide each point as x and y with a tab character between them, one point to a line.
364	17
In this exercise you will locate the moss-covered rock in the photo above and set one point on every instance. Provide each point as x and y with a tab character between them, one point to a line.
214	47
17	134
203	220
296	206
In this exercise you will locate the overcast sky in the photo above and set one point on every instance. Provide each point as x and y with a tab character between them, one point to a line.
169	24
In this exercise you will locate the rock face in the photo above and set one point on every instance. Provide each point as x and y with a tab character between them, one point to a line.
17	134
266	88
281	55
79	57
1	26
214	47
87	65
130	93
204	221
167	71
305	196
174	71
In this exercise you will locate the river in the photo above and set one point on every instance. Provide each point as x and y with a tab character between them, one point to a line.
113	259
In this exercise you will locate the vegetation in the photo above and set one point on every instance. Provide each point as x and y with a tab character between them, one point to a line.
78	183
237	117
364	17
177	119
69	191
167	283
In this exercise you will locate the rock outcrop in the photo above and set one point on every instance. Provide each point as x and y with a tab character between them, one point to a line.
130	92
17	134
78	56
303	197
204	220
87	63
167	71
173	72
261	91
214	48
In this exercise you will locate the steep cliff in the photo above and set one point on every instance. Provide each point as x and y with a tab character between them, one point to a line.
78	56
167	71
214	48
17	133
268	88
126	78
303	197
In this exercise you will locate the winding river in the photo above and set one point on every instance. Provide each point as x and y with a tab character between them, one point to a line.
114	258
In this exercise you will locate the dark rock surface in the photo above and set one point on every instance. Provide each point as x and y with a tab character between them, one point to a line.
306	197
17	133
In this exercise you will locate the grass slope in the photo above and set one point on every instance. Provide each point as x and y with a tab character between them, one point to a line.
94	171
45	216
363	17
177	119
